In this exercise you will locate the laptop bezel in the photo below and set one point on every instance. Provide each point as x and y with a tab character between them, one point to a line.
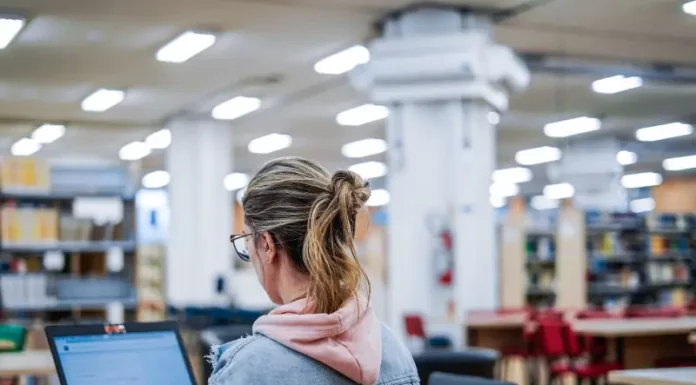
53	331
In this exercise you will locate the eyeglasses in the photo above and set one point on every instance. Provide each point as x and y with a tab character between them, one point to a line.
240	246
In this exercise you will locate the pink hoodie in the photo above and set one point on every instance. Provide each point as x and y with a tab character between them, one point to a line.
349	341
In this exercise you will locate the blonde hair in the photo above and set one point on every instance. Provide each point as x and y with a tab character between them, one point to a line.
311	215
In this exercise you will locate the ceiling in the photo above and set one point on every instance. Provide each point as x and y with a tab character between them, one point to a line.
267	48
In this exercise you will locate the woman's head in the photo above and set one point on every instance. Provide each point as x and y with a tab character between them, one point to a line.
302	222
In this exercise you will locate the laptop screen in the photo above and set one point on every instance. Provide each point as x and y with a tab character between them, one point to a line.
123	359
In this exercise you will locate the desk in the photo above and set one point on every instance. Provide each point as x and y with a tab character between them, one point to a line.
674	376
494	331
639	342
28	363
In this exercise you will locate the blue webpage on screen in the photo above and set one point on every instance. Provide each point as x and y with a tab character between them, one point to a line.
123	359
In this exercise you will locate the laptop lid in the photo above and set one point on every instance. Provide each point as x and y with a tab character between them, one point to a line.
130	353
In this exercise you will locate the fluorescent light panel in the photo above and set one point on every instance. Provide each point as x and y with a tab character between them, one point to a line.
512	175
570	127
538	155
48	133
134	151
680	163
642	205
625	158
25	147
541	202
235	181
9	28
504	190
497	202
616	84
369	170
160	139
156	179
664	131
644	179
236	107
378	197
360	115
689	8
270	143
344	61
559	191
364	147
103	99
185	46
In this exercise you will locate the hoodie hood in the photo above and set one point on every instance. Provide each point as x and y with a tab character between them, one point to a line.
349	340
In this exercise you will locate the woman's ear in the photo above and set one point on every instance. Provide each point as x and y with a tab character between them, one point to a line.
268	246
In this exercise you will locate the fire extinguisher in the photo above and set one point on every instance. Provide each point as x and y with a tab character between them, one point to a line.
442	252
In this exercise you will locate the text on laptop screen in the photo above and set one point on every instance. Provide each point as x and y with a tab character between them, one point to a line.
123	359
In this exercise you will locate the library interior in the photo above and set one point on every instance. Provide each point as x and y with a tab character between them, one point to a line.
520	178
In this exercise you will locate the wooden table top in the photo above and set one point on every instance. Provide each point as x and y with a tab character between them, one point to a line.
672	376
495	321
29	363
635	327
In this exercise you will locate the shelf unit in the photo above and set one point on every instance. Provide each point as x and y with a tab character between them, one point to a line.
629	259
59	266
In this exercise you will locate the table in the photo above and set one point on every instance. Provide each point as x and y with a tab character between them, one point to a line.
647	339
27	363
674	376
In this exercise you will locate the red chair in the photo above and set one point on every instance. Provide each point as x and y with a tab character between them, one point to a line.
561	347
415	327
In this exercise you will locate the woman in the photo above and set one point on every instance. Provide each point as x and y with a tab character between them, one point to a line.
299	223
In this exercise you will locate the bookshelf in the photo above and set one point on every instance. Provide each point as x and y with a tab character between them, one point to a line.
67	243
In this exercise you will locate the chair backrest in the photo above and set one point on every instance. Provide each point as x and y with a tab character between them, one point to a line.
550	338
439	378
573	348
415	327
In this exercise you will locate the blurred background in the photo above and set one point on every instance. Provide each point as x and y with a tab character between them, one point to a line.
527	158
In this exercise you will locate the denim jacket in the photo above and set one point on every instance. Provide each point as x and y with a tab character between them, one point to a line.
258	360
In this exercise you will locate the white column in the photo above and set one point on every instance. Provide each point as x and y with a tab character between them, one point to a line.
442	76
201	212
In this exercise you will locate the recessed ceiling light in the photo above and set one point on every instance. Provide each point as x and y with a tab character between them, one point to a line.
664	131
9	28
616	84
134	151
625	158
504	190
364	114
512	175
541	202
680	163
538	155
156	179
270	143
570	127
344	61
103	99
25	147
689	8
235	181
559	191
48	133
236	107
159	139
364	147
378	197
369	170
185	46
642	205
643	179
493	118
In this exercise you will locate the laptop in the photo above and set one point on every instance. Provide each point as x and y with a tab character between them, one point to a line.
130	353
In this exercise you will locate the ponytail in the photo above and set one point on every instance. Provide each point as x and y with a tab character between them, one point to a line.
329	250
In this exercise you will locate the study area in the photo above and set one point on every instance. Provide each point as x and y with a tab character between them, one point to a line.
471	192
